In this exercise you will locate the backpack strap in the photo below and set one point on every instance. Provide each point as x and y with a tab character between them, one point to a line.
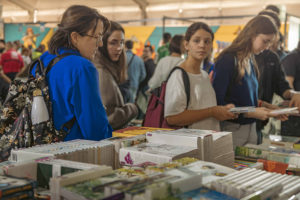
68	125
186	82
131	59
40	69
55	60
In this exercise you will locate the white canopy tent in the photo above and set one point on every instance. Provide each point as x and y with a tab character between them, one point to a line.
143	12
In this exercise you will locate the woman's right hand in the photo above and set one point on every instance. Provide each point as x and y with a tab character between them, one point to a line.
260	113
222	113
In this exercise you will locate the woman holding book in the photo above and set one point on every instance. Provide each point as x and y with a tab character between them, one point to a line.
202	111
236	75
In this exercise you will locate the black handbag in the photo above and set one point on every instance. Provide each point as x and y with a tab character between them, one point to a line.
291	127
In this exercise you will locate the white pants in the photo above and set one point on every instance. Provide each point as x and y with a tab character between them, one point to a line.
241	134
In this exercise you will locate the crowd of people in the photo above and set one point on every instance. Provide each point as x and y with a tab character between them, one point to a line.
104	85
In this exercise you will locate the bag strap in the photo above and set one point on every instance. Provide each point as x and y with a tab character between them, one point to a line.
68	125
55	60
186	82
40	69
131	59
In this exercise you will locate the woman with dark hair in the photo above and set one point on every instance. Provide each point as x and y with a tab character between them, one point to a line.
111	64
166	64
202	111
73	81
236	77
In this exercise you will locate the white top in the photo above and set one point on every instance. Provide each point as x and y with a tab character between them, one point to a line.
202	95
163	69
26	60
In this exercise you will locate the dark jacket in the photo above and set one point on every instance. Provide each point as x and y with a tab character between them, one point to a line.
271	79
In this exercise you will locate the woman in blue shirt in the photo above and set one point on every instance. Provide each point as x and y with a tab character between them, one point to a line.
73	81
236	75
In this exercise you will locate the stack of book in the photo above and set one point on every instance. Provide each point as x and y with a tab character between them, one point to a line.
87	151
157	182
212	146
122	142
223	152
57	183
282	141
16	188
155	186
278	154
153	153
257	184
199	139
41	170
145	170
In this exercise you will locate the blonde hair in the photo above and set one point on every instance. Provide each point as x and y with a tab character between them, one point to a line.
242	44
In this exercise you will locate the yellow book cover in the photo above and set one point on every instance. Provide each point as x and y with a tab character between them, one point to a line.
134	131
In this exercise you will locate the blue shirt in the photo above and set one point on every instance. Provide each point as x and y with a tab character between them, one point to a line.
244	93
136	72
74	92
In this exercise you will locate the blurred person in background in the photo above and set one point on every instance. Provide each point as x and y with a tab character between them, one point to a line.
166	64
38	51
272	78
291	66
2	46
142	99
136	71
27	60
163	50
4	80
11	61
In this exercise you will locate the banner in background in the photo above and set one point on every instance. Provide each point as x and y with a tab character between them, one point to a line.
34	35
31	36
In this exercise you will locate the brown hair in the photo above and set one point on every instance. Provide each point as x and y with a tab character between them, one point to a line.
192	29
122	68
76	18
175	44
242	44
273	15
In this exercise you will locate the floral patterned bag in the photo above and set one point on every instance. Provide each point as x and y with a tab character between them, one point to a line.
16	129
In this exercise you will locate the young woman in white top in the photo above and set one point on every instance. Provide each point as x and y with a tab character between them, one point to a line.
202	111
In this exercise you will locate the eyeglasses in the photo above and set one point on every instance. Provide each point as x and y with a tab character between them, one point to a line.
98	38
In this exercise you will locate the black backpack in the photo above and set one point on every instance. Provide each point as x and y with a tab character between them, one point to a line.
16	129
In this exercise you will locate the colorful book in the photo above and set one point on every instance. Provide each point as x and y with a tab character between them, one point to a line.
134	131
11	185
204	193
154	153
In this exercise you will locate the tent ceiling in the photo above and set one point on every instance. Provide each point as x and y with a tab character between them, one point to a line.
15	11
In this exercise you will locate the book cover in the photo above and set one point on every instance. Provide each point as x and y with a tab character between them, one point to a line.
154	153
10	185
29	194
204	193
133	131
